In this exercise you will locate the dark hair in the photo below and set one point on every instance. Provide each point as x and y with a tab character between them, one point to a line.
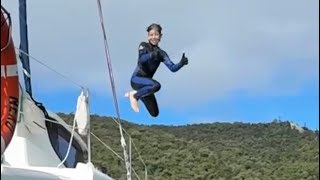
154	26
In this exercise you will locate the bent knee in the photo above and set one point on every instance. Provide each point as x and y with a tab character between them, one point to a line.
154	113
156	86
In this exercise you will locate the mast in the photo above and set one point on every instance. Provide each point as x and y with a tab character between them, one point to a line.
24	45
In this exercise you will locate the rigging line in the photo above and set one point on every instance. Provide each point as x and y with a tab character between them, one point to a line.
40	62
140	157
108	61
123	143
108	147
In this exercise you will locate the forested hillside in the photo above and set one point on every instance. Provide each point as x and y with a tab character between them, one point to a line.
222	151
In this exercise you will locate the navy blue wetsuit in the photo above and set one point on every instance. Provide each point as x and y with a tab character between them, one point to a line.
141	79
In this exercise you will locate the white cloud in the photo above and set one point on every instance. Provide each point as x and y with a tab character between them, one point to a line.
260	48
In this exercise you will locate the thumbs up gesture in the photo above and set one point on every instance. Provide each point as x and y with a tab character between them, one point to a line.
184	59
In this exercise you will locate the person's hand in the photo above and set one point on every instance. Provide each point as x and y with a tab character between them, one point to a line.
184	60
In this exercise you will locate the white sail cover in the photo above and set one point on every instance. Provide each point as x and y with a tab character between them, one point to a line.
82	115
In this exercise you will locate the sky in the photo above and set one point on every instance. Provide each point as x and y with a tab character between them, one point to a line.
249	61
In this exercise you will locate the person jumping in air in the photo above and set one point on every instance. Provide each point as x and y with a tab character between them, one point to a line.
150	57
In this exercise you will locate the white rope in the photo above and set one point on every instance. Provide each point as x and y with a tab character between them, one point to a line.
70	143
134	145
104	144
56	122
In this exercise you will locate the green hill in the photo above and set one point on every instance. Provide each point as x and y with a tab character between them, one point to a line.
221	151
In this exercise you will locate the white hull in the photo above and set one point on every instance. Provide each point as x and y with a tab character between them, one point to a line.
33	151
82	171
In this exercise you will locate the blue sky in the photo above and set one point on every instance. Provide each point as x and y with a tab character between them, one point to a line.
250	61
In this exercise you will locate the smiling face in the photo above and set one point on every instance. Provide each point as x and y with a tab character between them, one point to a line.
154	37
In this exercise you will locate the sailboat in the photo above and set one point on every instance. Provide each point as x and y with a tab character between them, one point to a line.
35	142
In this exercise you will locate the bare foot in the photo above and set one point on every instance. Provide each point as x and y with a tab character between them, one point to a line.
133	101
